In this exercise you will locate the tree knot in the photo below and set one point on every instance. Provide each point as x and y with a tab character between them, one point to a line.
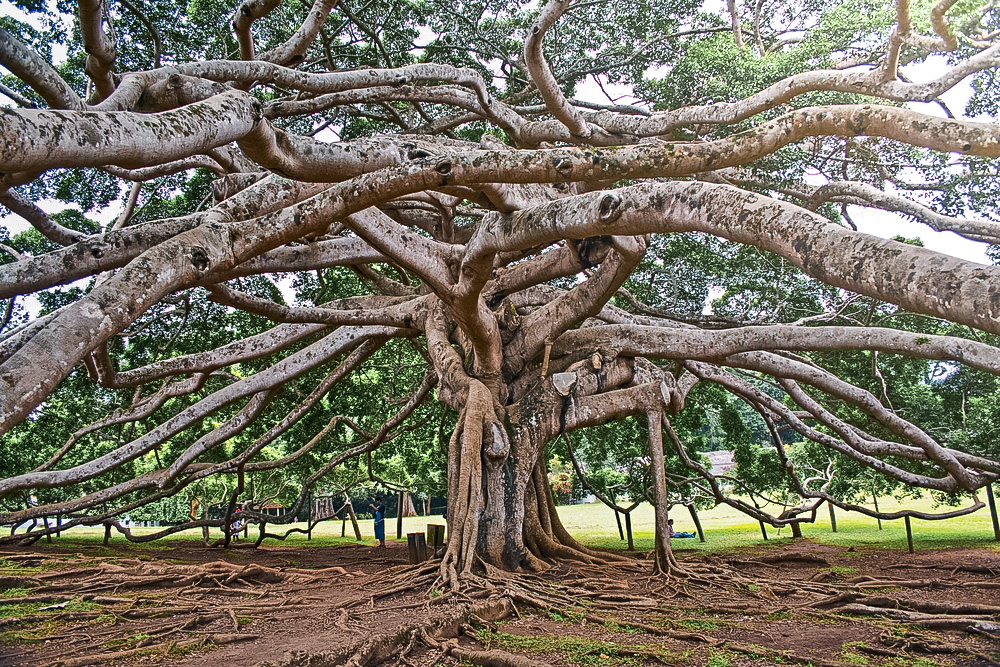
199	259
609	208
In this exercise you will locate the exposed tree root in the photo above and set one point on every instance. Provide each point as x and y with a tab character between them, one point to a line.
377	649
220	574
983	624
492	658
163	649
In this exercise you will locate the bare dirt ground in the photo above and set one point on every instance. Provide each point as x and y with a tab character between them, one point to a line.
190	606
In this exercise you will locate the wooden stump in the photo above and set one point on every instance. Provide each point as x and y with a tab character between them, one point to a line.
416	548
435	538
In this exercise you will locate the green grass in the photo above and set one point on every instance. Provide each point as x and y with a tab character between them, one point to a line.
27	608
579	650
594	525
718	658
726	528
15	592
127	642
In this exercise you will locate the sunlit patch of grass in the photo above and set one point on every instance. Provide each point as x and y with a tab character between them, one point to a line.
568	615
579	650
29	608
127	642
36	634
726	528
614	625
700	624
8	593
594	525
849	655
717	658
20	610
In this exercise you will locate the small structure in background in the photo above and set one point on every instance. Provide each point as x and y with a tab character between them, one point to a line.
272	508
722	461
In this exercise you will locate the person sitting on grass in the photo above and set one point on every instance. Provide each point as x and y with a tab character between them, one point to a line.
670	526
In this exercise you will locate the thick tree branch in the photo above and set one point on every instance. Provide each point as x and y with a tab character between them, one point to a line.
293	51
100	49
246	14
40	220
38	74
707	345
36	140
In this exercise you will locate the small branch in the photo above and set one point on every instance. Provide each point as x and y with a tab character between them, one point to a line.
734	16
16	96
542	76
292	52
26	65
153	32
246	14
100	49
40	220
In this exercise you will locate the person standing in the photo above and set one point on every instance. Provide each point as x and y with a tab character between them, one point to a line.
379	509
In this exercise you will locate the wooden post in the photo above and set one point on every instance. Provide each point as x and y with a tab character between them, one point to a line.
909	534
697	523
354	520
796	529
763	530
618	519
399	515
411	548
416	548
628	530
435	537
309	517
875	498
833	517
993	512
343	522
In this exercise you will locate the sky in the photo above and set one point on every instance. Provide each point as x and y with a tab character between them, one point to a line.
884	224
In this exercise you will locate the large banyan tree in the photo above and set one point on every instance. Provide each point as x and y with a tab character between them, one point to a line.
304	188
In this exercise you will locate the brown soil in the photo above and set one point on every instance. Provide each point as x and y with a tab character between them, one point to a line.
801	603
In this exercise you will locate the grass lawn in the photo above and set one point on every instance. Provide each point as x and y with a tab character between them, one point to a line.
725	528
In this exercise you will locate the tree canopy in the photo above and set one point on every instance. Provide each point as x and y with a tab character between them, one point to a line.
299	235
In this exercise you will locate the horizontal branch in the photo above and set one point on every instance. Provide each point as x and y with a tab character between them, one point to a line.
357	311
39	219
915	278
294	365
116	248
26	65
36	139
707	345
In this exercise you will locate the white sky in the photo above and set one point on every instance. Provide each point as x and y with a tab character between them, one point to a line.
884	224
